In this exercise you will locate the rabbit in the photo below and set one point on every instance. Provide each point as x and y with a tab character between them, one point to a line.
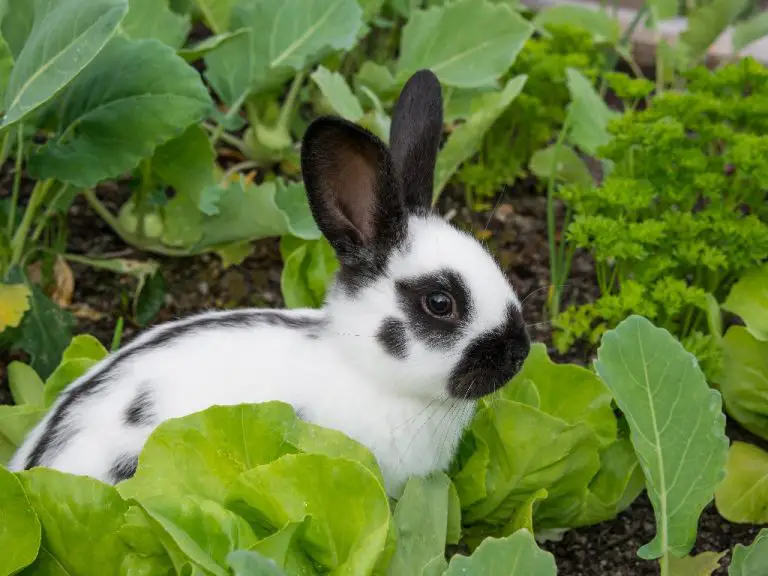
417	325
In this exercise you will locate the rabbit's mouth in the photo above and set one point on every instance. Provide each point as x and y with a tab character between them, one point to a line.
489	362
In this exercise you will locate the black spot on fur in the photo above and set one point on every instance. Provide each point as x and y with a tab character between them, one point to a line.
139	411
492	359
301	413
124	467
435	332
55	435
393	337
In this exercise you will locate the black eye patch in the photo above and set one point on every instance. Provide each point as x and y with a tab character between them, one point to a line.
435	331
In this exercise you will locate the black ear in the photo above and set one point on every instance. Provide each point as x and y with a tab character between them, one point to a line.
414	138
352	190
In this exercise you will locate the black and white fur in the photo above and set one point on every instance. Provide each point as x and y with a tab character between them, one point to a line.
419	323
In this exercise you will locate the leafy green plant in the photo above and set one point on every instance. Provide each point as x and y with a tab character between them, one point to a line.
682	214
545	454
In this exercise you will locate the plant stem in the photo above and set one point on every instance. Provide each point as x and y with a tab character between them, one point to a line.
235	168
664	564
20	236
47	214
233	111
286	111
233	141
554	264
16	179
145	167
127	237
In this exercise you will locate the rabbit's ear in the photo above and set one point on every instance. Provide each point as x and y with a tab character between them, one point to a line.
417	124
351	189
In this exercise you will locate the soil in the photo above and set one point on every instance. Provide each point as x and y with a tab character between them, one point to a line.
516	233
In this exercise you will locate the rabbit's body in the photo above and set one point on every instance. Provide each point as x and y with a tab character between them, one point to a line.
419	323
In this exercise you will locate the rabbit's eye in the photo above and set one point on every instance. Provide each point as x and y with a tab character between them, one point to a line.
439	304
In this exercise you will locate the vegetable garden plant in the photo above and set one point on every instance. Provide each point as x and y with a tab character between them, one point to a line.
199	134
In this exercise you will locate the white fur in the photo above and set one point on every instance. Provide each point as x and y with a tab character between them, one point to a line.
344	380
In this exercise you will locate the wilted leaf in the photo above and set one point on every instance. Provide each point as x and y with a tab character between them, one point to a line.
570	168
66	36
744	380
64	282
338	93
485	39
14	302
515	555
588	114
749	31
700	565
676	422
743	496
749	299
750	560
26	386
148	19
132	98
465	140
19	529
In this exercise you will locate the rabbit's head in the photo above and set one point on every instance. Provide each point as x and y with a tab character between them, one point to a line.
419	306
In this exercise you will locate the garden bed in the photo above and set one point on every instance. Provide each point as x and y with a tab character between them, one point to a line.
517	237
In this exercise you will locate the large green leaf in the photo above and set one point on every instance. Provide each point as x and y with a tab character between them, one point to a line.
202	531
749	31
155	19
15	424
703	564
26	386
615	486
485	39
598	23
515	555
517	451
248	563
186	164
706	22
66	36
676	423
744	380
204	453
19	526
345	500
282	38
81	519
6	66
338	93
308	268
216	13
132	98
588	114
465	140
568	392
44	331
750	560
422	521
16	20
743	495
570	168
198	50
749	299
